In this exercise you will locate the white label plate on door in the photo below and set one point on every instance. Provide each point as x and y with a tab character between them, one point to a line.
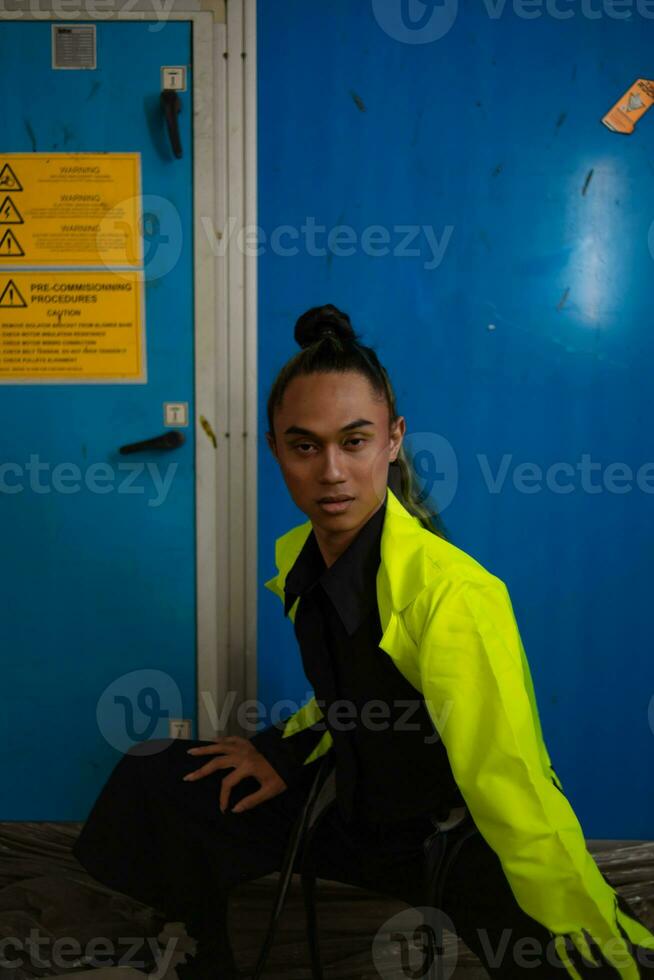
176	413
173	77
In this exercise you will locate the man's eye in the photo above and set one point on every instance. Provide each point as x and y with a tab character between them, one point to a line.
305	447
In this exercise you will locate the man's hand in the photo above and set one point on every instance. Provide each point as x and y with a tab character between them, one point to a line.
240	754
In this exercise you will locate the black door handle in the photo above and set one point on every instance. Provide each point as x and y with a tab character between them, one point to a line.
169	440
172	106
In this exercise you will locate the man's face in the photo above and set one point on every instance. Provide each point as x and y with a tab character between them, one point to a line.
332	440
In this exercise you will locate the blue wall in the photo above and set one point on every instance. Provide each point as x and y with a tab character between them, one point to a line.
531	340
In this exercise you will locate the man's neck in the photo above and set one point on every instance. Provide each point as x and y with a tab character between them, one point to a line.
332	544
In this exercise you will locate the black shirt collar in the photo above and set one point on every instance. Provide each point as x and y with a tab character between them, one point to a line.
350	582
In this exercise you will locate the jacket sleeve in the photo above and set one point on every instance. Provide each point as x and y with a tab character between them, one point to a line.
291	746
478	689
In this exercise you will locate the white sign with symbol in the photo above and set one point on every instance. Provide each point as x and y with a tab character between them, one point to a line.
173	76
176	413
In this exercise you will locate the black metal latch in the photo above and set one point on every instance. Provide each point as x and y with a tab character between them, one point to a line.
169	440
172	106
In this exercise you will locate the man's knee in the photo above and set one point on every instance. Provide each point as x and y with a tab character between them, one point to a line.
151	746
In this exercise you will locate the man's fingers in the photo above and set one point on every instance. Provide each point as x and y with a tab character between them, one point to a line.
224	750
222	744
226	787
248	802
210	767
236	753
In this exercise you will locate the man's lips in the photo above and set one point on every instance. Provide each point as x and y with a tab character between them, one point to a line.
335	505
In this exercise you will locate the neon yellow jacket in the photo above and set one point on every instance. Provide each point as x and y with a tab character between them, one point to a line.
449	626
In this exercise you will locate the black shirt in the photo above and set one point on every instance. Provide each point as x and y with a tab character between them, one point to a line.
390	763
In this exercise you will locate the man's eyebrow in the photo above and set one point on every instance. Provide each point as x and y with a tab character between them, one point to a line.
299	431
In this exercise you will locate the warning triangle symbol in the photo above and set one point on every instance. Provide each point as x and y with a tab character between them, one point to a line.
9	246
8	179
9	213
11	296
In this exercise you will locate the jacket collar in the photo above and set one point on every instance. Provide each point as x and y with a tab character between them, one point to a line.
401	574
350	582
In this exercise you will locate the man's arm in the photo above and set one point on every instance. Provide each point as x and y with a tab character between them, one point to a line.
291	746
476	684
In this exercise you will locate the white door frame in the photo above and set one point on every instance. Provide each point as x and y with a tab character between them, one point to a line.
225	284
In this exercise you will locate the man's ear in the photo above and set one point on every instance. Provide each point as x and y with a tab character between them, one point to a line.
271	444
397	434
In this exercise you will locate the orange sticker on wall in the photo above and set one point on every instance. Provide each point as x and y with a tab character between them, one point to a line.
626	112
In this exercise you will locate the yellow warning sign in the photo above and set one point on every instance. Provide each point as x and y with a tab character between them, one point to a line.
8	179
10	246
9	213
71	326
75	209
11	296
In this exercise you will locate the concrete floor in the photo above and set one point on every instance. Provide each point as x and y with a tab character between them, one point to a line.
43	887
346	953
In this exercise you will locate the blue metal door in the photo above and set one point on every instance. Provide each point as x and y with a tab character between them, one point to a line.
98	570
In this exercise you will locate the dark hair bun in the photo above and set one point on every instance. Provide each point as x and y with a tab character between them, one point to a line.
321	321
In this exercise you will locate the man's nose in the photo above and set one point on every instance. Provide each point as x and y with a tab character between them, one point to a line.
332	470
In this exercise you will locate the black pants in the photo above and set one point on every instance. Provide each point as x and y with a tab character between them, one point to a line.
165	842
